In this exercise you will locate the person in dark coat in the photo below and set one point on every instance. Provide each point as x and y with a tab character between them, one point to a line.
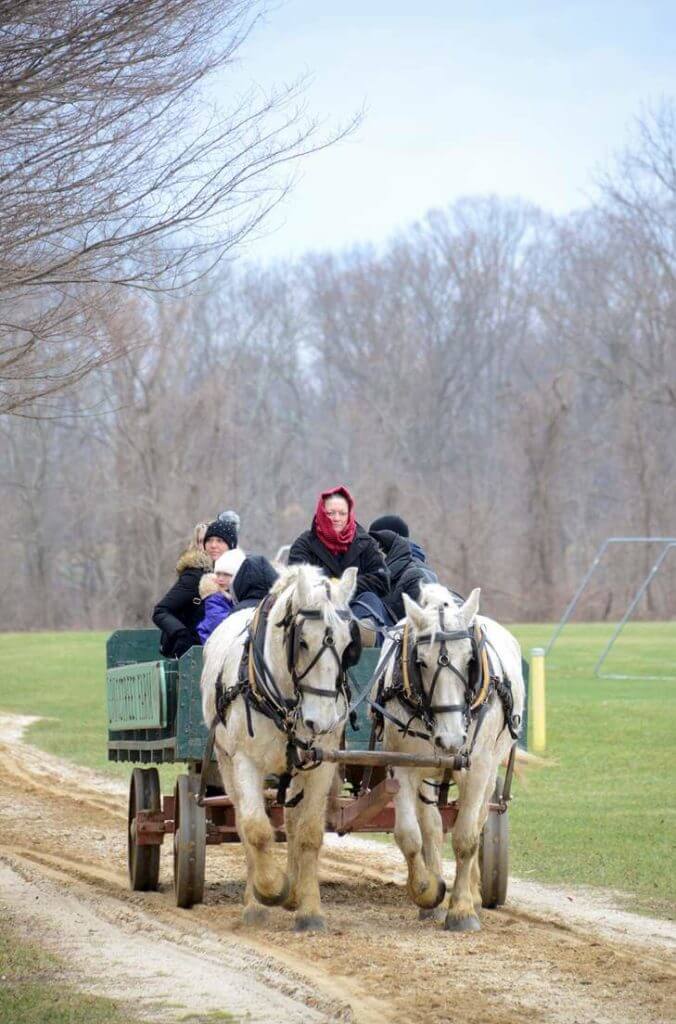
179	612
400	527
335	542
252	582
406	572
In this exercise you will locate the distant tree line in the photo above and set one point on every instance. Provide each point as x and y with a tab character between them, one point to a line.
503	379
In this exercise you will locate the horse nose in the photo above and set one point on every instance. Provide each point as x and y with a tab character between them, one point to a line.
309	724
444	742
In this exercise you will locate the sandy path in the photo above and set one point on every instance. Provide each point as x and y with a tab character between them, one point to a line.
551	955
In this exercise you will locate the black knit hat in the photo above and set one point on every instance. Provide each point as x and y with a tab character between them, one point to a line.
227	531
394	523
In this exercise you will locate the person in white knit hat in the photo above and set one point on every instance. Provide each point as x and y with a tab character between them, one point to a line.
228	565
215	591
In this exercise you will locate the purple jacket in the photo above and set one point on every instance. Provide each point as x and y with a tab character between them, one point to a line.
216	608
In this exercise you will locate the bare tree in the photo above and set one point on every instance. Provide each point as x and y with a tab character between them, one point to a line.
638	198
497	377
116	173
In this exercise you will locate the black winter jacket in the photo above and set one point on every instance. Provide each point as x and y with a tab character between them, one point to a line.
363	553
180	610
406	572
252	582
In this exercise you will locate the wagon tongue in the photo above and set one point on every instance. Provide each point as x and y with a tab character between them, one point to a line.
385	758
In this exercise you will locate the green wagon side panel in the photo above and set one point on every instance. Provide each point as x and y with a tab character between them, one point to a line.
131	735
137	696
191	733
128	646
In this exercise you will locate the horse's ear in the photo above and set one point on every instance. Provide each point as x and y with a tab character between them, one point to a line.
346	585
303	586
471	606
414	613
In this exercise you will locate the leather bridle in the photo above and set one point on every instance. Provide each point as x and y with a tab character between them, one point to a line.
412	667
407	682
292	623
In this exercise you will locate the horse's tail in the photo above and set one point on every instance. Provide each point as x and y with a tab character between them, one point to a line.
524	762
524	757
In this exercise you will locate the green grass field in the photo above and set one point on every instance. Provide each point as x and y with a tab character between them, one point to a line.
603	815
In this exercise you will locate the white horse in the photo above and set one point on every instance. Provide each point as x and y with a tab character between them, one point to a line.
429	686
289	690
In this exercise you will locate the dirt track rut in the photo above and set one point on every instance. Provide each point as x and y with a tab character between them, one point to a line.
62	847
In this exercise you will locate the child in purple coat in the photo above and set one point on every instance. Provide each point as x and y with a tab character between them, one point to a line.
215	593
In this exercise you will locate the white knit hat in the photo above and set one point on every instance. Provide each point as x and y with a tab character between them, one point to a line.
230	561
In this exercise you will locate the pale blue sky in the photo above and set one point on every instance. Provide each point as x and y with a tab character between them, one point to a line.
516	98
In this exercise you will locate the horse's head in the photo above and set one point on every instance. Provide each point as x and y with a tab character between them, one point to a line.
439	655
320	643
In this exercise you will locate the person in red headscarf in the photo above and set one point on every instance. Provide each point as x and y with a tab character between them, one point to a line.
336	541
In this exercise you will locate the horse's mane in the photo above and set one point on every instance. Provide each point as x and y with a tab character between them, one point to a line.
433	596
287	583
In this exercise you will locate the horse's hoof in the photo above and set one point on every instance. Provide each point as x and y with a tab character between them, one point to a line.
462	924
428	895
274	899
309	923
441	892
291	902
253	915
432	895
437	914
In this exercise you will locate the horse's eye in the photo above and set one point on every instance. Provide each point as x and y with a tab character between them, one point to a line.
303	645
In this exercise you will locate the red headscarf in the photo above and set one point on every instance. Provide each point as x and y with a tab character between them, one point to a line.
337	543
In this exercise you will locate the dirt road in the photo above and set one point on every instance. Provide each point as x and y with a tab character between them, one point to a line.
550	955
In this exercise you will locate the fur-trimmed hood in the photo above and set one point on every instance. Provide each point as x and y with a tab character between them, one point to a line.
193	558
209	585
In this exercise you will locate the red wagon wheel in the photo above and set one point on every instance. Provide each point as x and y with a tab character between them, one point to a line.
494	855
143	861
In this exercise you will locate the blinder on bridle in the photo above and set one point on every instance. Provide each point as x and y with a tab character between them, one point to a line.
293	625
412	674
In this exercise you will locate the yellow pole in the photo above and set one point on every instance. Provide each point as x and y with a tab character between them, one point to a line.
537	699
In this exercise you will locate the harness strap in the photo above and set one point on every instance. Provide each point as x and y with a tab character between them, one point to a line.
261	692
481	714
253	633
404	661
480	640
404	727
443	787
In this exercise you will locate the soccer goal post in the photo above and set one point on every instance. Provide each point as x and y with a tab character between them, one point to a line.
667	545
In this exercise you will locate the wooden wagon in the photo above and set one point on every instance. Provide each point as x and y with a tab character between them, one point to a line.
155	717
